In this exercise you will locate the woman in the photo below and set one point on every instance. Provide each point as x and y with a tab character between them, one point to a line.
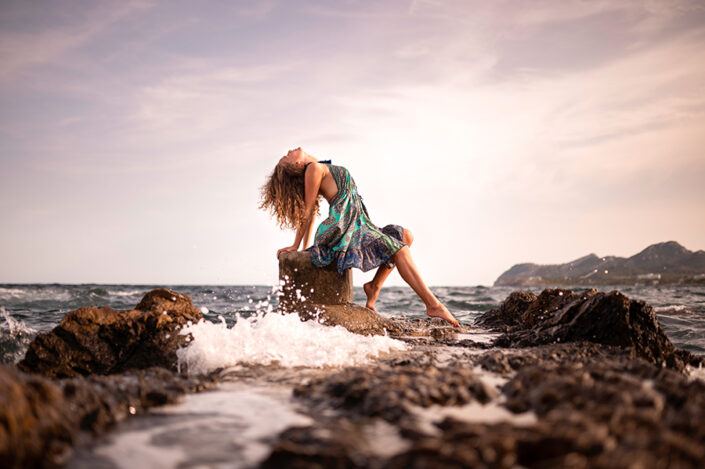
347	236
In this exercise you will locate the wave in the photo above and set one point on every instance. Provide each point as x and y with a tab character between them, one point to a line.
277	339
15	337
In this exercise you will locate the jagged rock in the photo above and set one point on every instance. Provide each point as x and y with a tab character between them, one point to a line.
509	312
599	408
104	341
559	316
387	392
41	419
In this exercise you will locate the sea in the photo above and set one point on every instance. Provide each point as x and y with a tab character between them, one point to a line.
27	309
236	424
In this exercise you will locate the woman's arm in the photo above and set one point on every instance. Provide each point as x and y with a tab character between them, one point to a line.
313	178
308	232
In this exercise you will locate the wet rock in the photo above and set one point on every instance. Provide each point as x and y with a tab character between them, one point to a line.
506	361
599	409
388	391
319	447
508	313
355	318
559	316
305	284
41	419
104	341
321	293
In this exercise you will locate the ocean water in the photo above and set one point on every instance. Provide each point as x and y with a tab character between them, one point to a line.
234	425
28	309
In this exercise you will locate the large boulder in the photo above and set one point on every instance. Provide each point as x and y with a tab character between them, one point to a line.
559	316
304	283
105	341
321	293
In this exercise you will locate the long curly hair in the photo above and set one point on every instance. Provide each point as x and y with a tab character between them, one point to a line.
283	195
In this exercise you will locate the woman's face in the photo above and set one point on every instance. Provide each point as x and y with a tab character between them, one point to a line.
295	157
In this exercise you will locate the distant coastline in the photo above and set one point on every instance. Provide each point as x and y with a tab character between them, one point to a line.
667	263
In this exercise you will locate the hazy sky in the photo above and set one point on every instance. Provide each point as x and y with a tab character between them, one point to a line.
134	136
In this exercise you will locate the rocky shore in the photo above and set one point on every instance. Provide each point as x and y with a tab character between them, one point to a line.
569	380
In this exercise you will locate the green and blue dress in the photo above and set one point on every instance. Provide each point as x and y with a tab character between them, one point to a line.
348	237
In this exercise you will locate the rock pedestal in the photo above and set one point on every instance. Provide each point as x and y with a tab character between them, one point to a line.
305	284
321	293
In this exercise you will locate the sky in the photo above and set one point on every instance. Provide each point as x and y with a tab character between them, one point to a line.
135	135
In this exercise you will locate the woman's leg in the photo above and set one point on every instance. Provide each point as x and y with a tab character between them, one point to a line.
410	273
373	287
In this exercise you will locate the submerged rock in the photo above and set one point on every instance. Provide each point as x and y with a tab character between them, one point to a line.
559	316
105	341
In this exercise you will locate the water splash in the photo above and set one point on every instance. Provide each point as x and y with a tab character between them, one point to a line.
15	337
280	339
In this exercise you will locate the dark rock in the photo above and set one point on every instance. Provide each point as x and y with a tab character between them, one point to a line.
509	312
388	391
41	419
104	341
318	448
506	362
559	316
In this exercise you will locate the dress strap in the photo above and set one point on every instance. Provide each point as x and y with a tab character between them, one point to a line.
319	161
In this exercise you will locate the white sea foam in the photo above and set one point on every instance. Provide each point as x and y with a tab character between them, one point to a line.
127	293
670	309
477	334
15	337
473	412
275	338
14	326
34	294
230	427
695	373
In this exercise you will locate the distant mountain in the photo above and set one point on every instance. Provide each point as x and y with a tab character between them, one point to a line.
666	263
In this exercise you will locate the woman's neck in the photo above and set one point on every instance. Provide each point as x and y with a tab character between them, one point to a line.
308	158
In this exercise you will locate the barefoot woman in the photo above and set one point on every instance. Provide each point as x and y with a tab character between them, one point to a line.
347	237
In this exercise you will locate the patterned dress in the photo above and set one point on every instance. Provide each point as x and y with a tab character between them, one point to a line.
348	237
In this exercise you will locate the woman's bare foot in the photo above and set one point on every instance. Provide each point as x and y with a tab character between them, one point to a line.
440	311
372	293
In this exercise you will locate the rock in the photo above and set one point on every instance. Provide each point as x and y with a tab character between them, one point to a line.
559	316
320	293
305	284
355	318
597	408
387	392
509	312
104	341
41	419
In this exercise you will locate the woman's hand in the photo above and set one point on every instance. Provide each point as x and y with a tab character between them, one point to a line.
287	249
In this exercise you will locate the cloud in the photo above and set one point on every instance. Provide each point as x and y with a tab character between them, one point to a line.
23	48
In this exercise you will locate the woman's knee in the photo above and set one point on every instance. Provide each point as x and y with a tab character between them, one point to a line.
401	254
407	236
